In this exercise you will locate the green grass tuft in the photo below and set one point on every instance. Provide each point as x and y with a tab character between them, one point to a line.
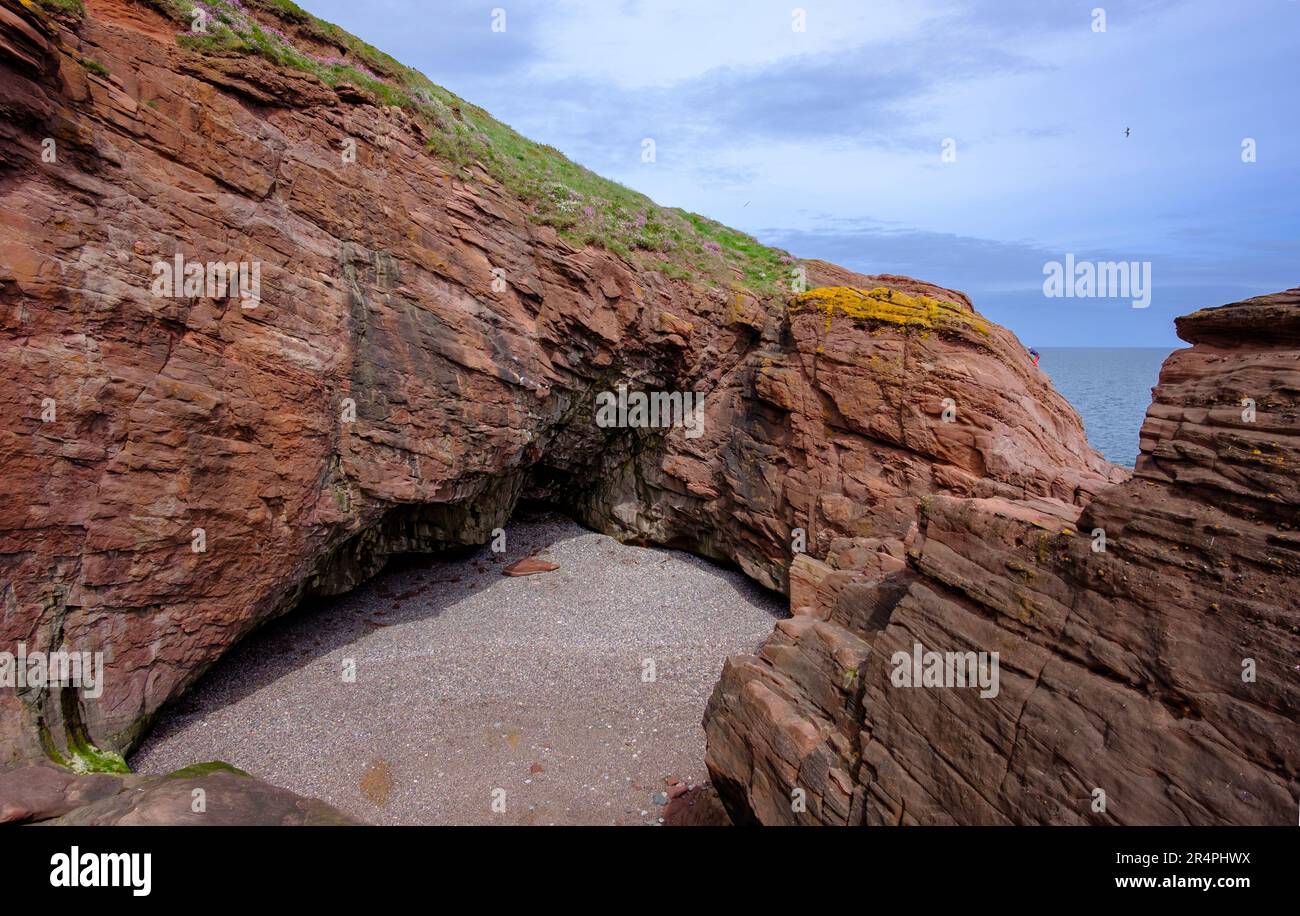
583	207
94	66
70	7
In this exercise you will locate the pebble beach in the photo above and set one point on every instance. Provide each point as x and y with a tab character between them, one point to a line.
569	697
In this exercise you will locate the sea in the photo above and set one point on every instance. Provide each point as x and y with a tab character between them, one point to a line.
1110	387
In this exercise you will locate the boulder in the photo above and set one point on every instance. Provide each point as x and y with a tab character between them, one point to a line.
211	794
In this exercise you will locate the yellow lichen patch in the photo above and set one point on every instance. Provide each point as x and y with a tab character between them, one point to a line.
671	324
888	306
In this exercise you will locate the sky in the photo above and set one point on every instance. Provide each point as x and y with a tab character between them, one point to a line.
970	143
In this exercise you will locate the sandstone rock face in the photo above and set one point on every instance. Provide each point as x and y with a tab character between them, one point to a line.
1160	670
421	356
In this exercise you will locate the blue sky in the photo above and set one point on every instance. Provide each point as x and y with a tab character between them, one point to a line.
828	141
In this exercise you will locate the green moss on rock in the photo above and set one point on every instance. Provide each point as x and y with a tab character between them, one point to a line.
83	757
205	769
69	7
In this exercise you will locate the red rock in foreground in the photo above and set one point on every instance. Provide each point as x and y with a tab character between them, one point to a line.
52	796
1160	671
529	566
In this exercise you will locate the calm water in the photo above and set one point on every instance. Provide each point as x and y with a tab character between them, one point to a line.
1110	387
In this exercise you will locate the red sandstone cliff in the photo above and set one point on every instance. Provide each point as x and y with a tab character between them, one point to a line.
1160	670
904	435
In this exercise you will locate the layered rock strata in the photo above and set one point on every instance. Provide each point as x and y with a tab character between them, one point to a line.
420	356
1147	641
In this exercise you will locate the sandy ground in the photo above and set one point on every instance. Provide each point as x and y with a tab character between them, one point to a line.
473	688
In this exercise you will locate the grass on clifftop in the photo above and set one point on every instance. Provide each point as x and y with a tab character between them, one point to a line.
583	207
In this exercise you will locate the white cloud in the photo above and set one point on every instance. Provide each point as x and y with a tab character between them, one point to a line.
638	44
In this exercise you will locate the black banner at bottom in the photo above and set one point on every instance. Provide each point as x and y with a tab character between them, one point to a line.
128	866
